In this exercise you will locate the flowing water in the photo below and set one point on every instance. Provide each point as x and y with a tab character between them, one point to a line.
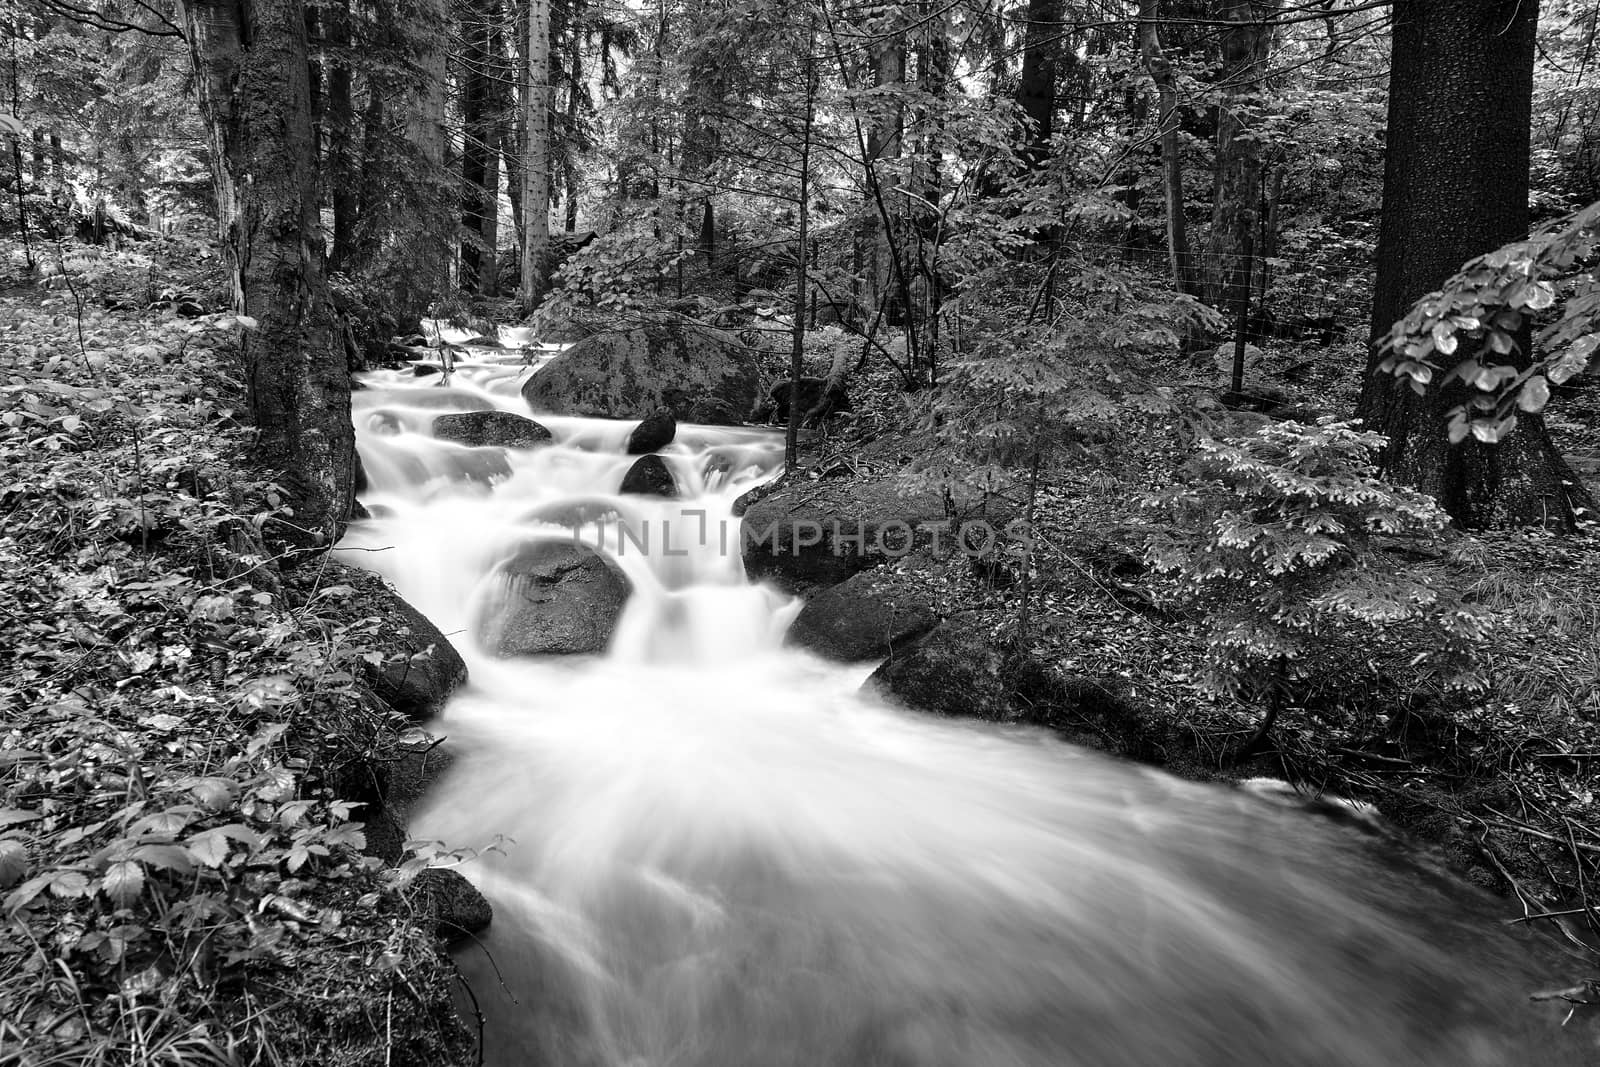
718	851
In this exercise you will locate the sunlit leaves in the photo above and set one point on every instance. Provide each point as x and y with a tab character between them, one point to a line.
1488	304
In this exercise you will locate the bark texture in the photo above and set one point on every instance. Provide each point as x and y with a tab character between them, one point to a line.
1236	199
250	67
1456	186
482	114
1036	89
536	158
1160	69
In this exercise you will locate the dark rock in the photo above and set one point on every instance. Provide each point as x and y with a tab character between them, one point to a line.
421	668
480	341
424	370
862	618
553	598
960	669
501	429
653	434
776	408
801	534
697	373
454	904
392	786
649	476
415	340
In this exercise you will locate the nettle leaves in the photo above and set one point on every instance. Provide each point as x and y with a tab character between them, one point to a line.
1472	330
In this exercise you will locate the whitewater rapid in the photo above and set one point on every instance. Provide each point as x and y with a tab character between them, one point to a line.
714	850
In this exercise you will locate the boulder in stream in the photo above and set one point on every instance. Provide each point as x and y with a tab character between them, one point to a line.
802	534
865	617
653	434
454	904
961	669
421	668
553	598
697	373
649	476
502	429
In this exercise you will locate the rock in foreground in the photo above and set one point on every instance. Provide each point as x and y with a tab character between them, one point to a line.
553	598
863	618
961	670
502	429
649	476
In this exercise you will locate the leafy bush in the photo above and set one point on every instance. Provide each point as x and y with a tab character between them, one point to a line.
617	271
1491	304
1277	543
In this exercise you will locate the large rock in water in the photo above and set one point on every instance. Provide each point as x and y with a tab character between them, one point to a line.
863	618
554	598
697	373
653	434
959	669
420	668
801	534
649	476
502	429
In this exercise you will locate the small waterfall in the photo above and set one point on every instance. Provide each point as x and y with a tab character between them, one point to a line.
720	852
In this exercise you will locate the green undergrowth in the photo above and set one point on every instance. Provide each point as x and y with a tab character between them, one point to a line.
178	883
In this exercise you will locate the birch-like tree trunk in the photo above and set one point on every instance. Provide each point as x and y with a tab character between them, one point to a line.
536	158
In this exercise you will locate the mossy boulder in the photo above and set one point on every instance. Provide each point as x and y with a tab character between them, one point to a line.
696	373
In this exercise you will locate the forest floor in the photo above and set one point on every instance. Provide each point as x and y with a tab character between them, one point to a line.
178	883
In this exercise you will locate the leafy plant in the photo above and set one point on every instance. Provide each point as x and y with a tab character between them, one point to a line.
1492	304
1277	543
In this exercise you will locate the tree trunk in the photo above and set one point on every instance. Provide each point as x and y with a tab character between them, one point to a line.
879	241
425	227
341	172
480	146
1160	68
250	66
536	158
1236	201
1036	89
703	91
1456	186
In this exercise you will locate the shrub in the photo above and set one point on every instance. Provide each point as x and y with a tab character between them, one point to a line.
1278	542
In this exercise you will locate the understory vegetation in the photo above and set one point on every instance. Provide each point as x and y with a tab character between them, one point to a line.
180	880
1283	354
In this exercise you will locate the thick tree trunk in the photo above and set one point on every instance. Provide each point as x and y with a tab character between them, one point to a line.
250	65
1456	186
536	158
1160	68
1036	89
1236	200
423	232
